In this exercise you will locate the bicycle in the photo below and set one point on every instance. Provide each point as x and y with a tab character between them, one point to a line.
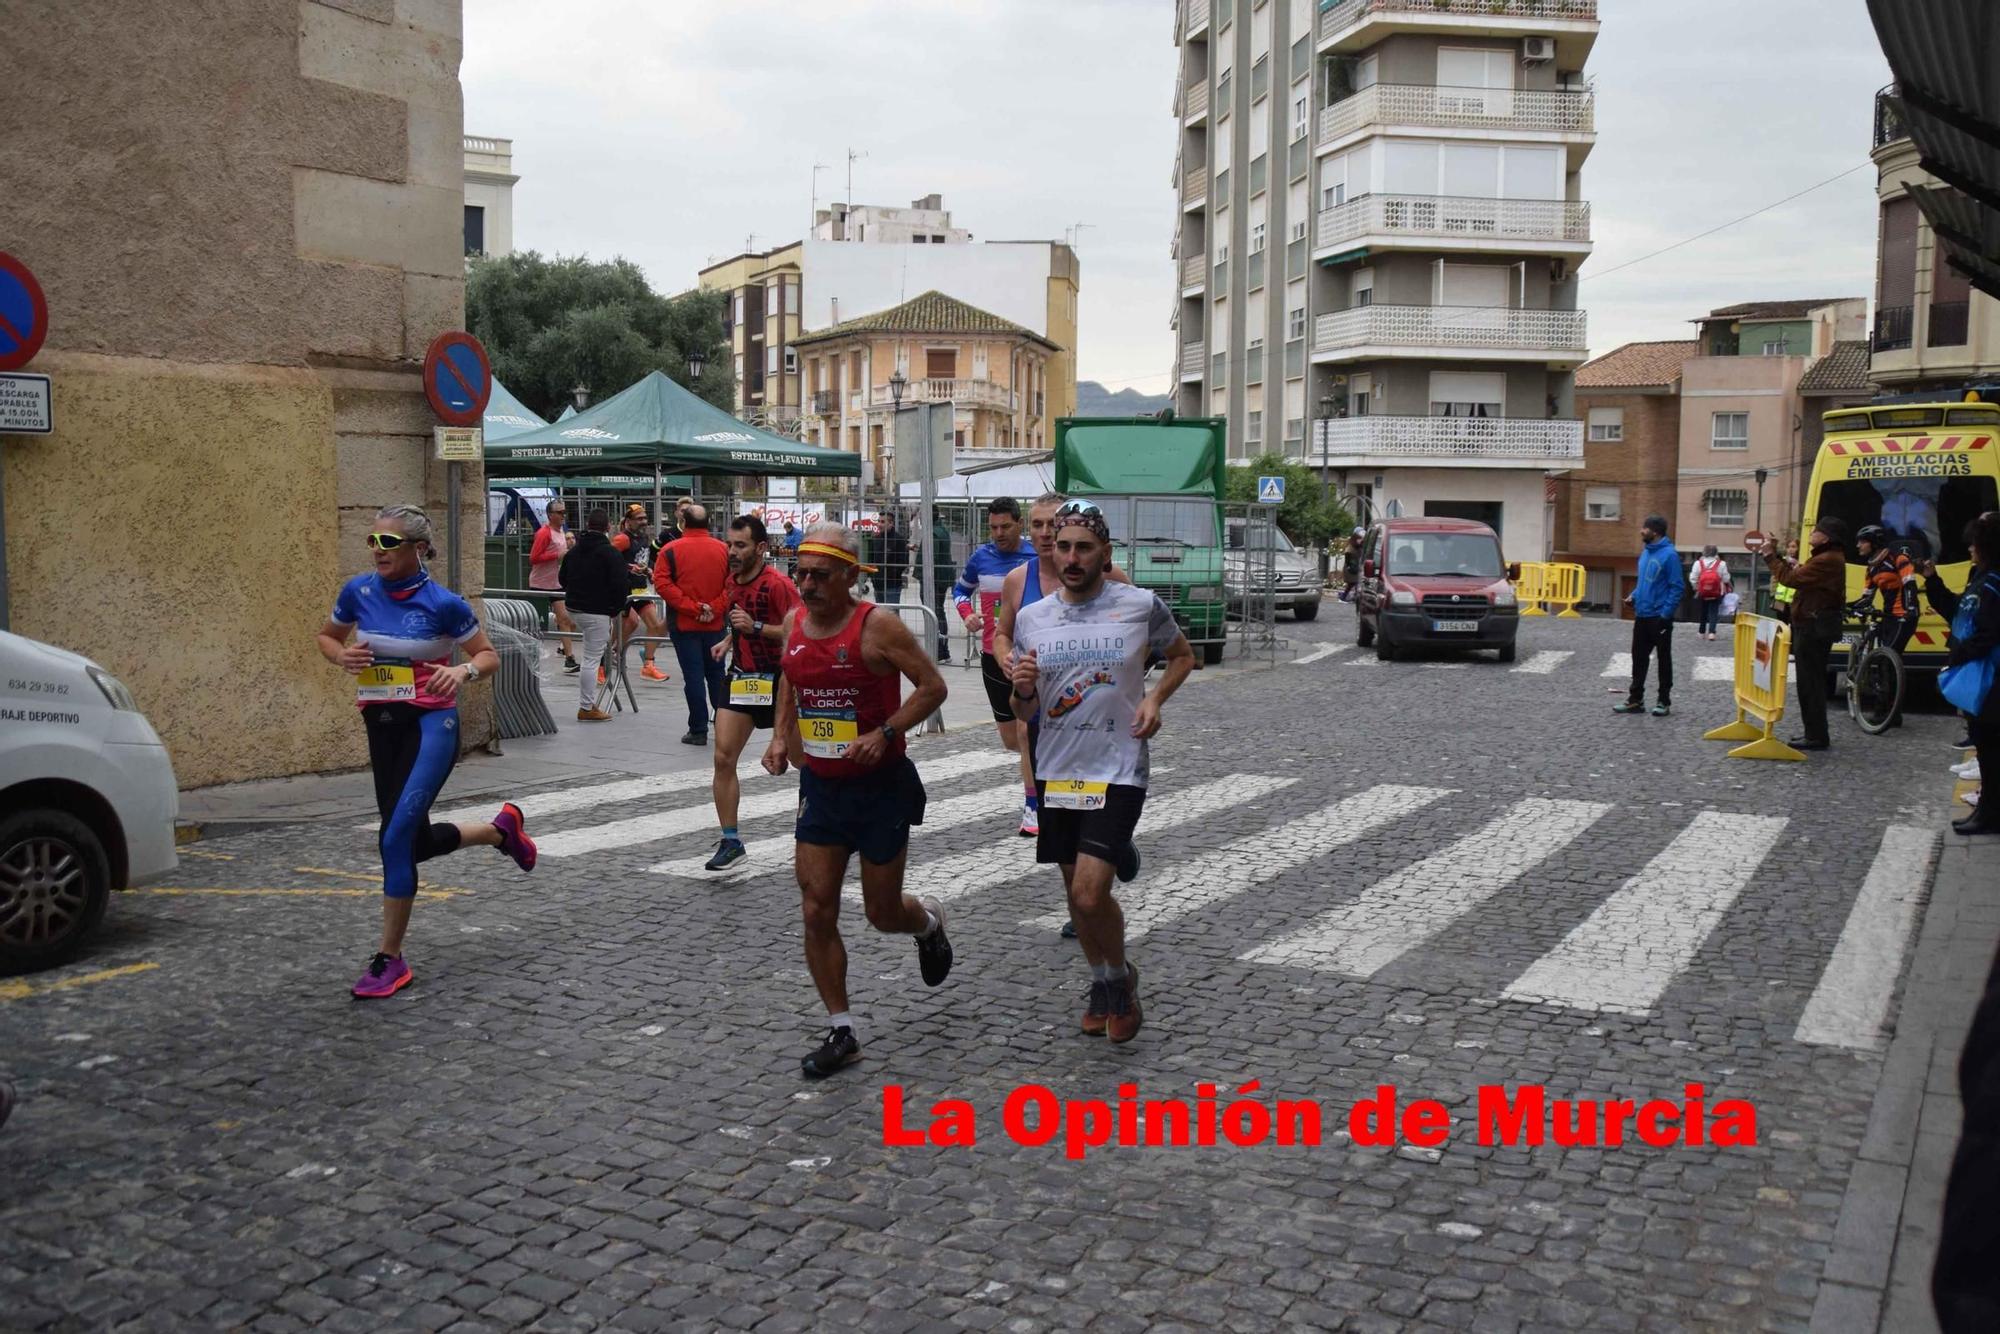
1875	675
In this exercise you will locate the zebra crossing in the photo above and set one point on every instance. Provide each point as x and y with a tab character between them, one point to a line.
1374	899
1695	668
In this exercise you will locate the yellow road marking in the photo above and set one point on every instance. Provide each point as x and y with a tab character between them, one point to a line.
313	891
356	875
10	991
208	856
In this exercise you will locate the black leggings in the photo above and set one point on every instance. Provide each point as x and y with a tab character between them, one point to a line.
412	751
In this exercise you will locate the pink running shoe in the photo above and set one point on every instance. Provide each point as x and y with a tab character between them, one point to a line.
514	840
385	977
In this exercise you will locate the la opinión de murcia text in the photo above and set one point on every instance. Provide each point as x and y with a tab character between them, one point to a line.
1036	1117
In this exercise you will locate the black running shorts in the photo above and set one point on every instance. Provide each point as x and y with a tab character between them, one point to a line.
870	813
763	717
1102	833
999	688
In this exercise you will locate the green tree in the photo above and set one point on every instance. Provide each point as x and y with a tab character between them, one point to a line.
550	324
1306	516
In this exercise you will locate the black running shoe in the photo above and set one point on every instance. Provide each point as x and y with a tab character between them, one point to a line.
727	853
933	950
1069	930
1127	865
571	666
839	1049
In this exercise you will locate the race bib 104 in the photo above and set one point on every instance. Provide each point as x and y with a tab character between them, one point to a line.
385	684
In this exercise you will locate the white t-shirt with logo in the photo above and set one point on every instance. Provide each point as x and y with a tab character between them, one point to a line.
1092	657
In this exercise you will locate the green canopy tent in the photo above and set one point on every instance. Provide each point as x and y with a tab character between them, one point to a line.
507	416
656	426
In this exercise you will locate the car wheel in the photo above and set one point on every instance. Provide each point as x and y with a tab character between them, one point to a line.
1364	633
1506	653
54	882
1385	650
1306	611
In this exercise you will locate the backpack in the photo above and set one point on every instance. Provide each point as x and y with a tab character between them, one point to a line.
1708	584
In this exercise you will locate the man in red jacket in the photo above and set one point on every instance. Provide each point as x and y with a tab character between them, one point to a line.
690	574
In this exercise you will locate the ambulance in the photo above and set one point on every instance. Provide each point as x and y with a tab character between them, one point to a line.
1921	470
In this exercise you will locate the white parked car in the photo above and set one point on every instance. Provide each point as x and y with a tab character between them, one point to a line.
87	800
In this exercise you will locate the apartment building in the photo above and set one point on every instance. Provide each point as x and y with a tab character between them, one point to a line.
867	259
489	195
1933	329
994	372
1381	221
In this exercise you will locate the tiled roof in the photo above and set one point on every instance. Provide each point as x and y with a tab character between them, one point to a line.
1775	310
931	313
1843	370
1636	366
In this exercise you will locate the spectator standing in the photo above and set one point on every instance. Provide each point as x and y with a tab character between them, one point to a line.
895	560
1350	565
943	571
1819	592
1654	600
545	557
1975	650
596	583
691	575
1709	578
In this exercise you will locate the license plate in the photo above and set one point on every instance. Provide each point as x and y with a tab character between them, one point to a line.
1454	627
385	685
1074	794
754	692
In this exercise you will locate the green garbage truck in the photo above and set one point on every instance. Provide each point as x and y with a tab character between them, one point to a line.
1160	485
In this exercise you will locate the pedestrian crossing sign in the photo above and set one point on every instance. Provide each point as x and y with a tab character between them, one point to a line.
1271	490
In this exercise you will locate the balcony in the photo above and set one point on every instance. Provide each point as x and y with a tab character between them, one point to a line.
1194	18
1194	272
1194	101
1194	360
1382	221
961	393
824	403
1894	328
1889	125
1569	114
1446	442
1454	332
1194	187
1356	24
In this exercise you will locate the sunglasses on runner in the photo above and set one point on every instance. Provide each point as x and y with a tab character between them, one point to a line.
385	541
1077	507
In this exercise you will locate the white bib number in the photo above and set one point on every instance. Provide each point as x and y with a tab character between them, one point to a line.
1074	794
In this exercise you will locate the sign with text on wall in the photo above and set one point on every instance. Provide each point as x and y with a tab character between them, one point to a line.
25	407
459	444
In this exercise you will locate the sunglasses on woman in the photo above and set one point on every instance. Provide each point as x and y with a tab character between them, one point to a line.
385	541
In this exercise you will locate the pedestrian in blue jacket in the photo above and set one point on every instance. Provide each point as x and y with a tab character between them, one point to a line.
1655	599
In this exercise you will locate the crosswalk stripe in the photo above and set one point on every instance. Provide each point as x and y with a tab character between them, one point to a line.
1623	956
1364	660
1403	912
1850	1006
544	804
1323	651
1620	665
1707	667
970	873
656	825
1546	661
1251	860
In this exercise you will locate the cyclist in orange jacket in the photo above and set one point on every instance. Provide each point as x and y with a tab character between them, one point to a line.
1891	573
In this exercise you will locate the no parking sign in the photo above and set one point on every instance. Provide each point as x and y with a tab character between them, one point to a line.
458	380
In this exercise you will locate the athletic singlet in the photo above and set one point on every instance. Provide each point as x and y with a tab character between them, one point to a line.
1031	586
985	574
840	700
412	627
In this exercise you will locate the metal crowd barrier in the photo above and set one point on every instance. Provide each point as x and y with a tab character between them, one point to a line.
515	629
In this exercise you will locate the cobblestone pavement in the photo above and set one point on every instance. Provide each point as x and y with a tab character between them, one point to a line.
588	1111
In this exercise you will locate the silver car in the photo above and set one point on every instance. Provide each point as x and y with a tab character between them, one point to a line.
1294	579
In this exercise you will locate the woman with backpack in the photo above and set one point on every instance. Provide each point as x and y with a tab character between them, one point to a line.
1711	583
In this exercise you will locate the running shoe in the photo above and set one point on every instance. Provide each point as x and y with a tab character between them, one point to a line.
1031	818
385	977
651	671
727	853
1127	865
1628	706
1122	1024
571	666
840	1048
1969	769
1963	743
1096	1008
1069	931
1662	709
514	840
933	949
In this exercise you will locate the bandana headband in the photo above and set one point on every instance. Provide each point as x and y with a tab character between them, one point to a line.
1086	519
829	550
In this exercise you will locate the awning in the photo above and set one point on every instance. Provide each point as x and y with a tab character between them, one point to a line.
507	416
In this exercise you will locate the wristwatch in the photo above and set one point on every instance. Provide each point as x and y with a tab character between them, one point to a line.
888	732
757	627
471	671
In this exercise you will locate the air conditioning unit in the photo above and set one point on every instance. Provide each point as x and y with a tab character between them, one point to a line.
1538	50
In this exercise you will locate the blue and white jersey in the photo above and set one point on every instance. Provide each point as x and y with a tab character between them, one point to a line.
414	622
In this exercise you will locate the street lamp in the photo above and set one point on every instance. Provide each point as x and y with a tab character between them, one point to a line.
580	395
899	383
697	361
1326	408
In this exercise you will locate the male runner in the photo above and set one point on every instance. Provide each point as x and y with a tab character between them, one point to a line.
842	718
977	594
1079	672
757	599
634	541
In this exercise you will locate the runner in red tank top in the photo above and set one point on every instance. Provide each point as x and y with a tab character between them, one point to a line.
842	719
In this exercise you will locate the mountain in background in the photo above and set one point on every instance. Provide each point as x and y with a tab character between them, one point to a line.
1094	400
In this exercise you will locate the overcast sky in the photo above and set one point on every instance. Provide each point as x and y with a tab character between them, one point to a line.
669	132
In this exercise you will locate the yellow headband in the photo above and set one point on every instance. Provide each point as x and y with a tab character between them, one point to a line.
828	549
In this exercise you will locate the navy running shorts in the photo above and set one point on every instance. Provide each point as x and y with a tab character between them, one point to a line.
870	813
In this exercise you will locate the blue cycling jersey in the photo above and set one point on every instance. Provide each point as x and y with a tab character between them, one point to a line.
413	620
985	573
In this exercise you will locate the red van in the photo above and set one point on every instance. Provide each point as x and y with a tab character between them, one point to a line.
1434	583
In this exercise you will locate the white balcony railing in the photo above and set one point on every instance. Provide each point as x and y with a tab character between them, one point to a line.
1194	184
1341	17
962	393
1194	99
1472	327
1527	439
479	143
1453	217
1554	111
1194	271
1194	361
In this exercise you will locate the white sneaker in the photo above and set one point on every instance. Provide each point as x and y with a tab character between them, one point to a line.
1971	798
1970	769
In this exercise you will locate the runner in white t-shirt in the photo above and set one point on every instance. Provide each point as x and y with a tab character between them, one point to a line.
1079	676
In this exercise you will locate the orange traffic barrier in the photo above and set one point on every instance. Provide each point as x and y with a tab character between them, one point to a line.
1762	648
